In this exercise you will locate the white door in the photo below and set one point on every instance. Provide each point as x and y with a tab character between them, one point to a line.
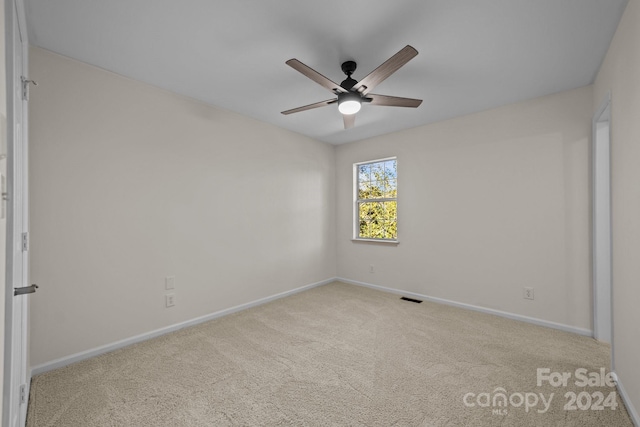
16	375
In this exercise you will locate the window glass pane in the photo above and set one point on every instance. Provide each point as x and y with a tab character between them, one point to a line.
372	190
385	234
375	168
363	190
377	230
364	229
377	171
391	189
364	173
391	169
390	210
367	211
392	229
377	189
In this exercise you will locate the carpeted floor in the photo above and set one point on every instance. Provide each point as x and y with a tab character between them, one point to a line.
336	355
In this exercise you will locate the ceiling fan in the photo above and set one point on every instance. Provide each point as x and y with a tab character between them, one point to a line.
351	93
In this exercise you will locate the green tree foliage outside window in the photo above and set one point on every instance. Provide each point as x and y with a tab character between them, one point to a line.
377	200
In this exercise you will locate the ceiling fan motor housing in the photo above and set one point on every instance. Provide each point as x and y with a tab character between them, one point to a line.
349	67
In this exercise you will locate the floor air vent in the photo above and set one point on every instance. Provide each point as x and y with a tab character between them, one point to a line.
417	301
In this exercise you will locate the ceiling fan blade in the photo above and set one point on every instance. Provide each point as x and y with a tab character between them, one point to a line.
310	106
349	120
315	76
389	67
394	101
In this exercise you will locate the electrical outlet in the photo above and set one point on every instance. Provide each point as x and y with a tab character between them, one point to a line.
170	300
528	293
170	282
371	269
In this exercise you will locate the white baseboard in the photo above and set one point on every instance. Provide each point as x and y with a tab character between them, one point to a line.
631	410
67	360
535	321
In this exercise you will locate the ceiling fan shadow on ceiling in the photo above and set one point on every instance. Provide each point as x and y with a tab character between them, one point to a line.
351	93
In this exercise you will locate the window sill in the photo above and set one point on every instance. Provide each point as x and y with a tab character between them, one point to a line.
375	241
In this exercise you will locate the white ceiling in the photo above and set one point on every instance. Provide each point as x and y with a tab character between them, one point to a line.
474	54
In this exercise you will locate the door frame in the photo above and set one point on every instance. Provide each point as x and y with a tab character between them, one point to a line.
16	372
602	230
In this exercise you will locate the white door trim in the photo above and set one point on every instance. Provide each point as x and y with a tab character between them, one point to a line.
16	372
602	253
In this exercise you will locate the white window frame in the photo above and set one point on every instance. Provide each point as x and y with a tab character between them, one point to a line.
356	217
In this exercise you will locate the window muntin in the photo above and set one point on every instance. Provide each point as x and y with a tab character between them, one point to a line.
376	200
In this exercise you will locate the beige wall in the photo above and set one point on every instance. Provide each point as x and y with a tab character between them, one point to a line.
130	184
488	204
620	74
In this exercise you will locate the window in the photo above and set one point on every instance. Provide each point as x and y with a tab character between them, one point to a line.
376	200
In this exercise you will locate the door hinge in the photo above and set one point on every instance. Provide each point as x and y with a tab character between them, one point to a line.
25	87
23	394
25	242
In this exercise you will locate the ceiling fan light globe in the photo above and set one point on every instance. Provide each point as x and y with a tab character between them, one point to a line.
350	106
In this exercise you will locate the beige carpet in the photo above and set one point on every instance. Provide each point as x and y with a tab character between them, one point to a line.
337	355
